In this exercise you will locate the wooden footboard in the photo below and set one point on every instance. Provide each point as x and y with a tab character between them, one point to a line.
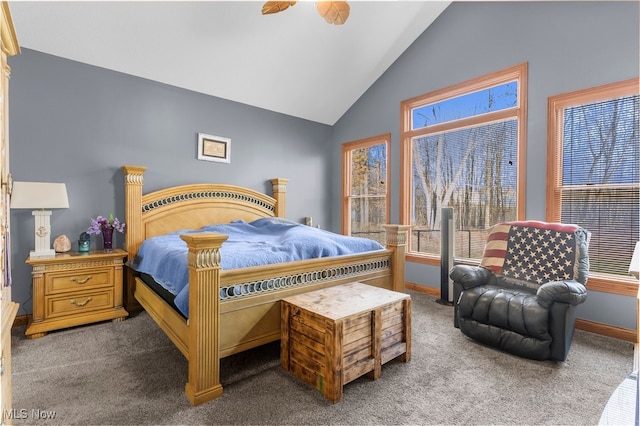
231	311
251	317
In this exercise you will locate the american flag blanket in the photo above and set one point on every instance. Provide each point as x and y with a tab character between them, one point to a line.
532	252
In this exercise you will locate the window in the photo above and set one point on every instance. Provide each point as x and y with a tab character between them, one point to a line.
463	147
365	203
593	174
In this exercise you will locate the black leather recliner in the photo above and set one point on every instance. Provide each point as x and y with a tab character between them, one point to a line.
522	297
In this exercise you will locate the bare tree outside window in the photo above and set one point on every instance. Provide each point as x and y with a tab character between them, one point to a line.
475	174
462	149
593	175
365	180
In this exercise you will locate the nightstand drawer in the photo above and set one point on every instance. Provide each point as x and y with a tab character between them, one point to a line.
79	303
79	280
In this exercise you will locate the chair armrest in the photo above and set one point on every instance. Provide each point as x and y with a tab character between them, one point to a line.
469	276
571	292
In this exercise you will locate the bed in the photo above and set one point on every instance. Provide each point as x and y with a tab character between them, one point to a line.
218	327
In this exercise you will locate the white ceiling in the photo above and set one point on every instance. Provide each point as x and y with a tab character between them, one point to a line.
292	62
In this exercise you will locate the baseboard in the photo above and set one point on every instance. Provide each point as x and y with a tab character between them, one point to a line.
607	330
431	291
21	320
581	324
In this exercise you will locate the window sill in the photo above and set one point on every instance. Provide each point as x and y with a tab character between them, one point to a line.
625	286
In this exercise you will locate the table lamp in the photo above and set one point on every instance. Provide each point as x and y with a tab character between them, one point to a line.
634	266
40	196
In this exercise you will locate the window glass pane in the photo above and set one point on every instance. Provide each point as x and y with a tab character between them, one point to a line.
493	99
369	170
601	179
601	143
368	214
612	217
472	170
368	192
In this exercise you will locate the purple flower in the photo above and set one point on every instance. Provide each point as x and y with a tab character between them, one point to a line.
100	223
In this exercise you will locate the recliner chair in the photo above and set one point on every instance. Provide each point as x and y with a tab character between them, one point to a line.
522	297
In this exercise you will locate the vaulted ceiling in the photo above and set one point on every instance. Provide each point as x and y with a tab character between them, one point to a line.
292	62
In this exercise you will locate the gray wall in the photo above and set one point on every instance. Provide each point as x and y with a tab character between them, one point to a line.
568	45
77	124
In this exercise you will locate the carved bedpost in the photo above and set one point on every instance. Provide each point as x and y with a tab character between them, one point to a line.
396	238
133	234
280	194
204	312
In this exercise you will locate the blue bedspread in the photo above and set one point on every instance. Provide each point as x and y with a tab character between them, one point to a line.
261	242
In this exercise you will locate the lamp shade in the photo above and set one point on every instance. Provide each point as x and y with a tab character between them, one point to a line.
634	266
39	195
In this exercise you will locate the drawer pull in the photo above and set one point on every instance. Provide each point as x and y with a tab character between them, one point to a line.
73	302
79	281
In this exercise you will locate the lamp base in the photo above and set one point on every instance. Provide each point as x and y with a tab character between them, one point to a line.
42	253
42	234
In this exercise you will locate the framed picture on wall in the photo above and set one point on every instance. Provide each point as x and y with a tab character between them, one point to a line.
214	148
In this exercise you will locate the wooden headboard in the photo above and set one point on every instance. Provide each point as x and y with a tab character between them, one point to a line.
191	207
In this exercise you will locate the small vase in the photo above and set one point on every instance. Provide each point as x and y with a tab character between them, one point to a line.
107	238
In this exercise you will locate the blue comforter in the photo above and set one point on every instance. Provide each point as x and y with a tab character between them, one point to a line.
261	242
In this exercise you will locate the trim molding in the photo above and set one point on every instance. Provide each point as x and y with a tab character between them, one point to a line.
21	320
431	291
625	286
581	324
607	330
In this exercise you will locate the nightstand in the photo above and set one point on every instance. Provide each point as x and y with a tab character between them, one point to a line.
74	288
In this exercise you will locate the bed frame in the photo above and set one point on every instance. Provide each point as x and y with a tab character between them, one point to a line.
249	313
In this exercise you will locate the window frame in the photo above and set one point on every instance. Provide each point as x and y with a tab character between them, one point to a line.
518	73
616	284
347	149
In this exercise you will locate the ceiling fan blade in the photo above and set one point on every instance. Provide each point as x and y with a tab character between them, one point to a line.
276	6
334	12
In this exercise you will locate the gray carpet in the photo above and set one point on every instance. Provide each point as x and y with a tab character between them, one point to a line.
130	373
